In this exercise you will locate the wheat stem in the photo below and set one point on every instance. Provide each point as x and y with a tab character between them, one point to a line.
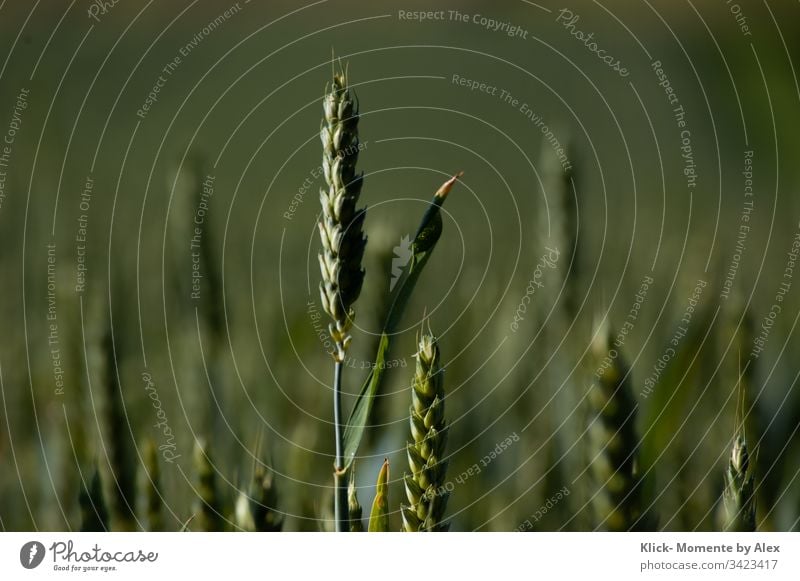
150	500
343	244
94	515
341	511
121	481
353	506
208	511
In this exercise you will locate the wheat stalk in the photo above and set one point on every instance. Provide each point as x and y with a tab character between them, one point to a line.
561	221
343	244
207	510
121	479
150	499
424	486
94	515
617	503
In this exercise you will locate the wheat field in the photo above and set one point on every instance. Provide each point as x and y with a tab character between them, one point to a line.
347	267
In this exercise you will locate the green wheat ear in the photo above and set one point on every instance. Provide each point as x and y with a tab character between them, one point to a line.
256	507
425	485
738	499
340	227
739	506
617	503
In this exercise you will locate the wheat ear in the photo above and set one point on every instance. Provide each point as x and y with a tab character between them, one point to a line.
617	502
343	243
340	228
738	498
739	504
425	485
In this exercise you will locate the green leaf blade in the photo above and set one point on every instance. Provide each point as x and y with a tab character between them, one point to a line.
428	234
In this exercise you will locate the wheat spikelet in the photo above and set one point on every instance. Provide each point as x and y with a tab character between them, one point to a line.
256	508
739	506
340	228
425	485
738	511
353	506
617	502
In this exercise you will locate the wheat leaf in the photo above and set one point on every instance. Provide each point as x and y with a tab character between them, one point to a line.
379	516
428	234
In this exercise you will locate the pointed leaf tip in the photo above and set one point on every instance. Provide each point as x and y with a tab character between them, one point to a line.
448	185
379	516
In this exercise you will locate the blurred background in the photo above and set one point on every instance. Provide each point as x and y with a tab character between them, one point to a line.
160	169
